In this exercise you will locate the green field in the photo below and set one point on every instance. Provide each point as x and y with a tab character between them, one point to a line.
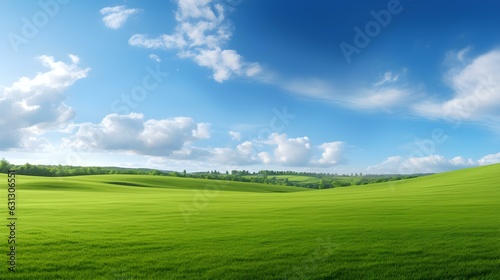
443	226
302	179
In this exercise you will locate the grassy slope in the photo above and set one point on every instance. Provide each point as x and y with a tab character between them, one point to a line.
118	183
444	226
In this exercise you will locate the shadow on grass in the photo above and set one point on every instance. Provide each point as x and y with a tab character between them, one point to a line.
129	184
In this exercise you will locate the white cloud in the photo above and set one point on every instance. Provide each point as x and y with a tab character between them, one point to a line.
115	17
265	157
428	164
201	33
333	153
235	135
291	151
132	133
31	106
476	89
277	150
489	159
176	138
155	57
475	85
243	154
280	150
163	41
224	62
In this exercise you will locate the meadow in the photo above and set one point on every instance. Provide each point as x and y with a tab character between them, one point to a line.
442	226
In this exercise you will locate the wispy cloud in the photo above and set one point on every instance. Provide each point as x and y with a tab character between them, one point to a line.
384	95
476	88
115	17
312	88
235	135
388	78
155	57
475	84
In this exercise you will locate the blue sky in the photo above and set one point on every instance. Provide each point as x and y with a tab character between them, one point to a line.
328	86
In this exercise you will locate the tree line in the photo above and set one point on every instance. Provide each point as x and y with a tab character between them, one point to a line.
316	181
67	170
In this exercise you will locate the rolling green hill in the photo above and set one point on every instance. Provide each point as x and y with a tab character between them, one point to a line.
443	226
117	183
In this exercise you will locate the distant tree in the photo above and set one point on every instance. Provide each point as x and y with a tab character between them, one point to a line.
184	172
154	172
4	165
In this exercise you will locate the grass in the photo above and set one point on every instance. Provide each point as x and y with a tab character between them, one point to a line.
298	179
443	226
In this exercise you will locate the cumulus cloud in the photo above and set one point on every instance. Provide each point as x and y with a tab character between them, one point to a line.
179	139
291	151
277	150
115	17
132	133
489	159
427	164
243	154
333	153
31	106
201	33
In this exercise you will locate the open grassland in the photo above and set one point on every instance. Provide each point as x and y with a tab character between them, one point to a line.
444	226
301	179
